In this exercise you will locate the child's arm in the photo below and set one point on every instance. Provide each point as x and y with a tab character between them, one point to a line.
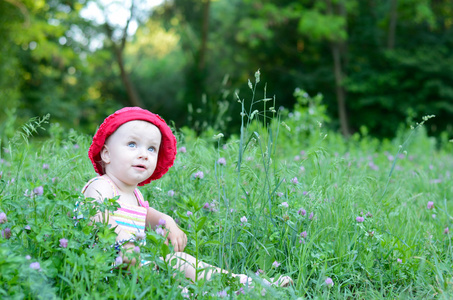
176	236
99	190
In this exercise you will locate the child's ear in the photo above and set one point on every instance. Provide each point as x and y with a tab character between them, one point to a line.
105	155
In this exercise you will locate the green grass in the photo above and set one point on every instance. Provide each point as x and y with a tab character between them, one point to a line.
399	251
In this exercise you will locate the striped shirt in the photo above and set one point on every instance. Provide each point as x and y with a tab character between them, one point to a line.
129	218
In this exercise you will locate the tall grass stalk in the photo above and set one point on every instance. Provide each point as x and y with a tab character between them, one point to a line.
402	149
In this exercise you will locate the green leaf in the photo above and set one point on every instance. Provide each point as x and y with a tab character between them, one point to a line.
217	243
200	223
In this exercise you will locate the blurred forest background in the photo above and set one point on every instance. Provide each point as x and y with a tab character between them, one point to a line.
378	63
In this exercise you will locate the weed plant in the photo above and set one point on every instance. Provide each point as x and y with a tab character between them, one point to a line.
357	218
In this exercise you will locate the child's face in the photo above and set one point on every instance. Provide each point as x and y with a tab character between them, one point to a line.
130	153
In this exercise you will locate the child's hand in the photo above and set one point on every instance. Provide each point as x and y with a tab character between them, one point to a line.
176	236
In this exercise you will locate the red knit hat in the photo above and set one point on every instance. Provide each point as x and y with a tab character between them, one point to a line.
167	150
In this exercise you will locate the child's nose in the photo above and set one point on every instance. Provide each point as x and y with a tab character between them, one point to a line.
143	153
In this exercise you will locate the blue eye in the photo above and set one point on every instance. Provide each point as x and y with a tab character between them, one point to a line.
151	149
131	144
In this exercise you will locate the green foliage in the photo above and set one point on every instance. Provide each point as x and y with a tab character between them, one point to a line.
187	60
10	21
418	78
44	60
338	181
320	26
304	202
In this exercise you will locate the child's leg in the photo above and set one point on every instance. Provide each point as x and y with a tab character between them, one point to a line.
186	263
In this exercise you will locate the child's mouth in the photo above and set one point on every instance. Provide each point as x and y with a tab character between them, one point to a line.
140	167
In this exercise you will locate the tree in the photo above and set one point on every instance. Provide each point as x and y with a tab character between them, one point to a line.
204	71
117	42
109	18
338	46
372	60
42	59
393	16
408	80
317	22
158	61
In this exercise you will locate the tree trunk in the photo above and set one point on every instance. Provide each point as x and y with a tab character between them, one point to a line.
132	94
118	49
196	77
204	36
339	90
392	24
339	50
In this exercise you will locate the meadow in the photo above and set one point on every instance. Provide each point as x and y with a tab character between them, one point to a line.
356	218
